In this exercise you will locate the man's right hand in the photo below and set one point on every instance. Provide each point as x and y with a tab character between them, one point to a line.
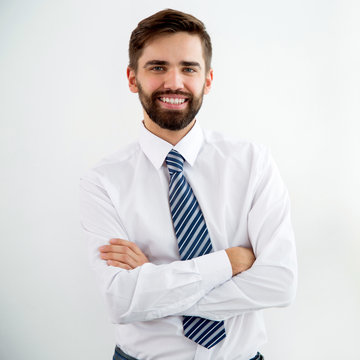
123	254
241	259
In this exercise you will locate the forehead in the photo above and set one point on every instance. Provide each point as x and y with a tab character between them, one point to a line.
173	48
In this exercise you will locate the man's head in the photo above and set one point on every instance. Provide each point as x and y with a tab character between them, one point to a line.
170	56
167	22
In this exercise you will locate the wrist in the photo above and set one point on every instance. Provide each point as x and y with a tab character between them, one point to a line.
241	259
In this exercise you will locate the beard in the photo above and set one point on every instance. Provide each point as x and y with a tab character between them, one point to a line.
170	119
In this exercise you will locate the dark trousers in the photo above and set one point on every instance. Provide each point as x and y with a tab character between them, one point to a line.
120	355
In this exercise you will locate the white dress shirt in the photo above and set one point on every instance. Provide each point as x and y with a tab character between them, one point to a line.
244	203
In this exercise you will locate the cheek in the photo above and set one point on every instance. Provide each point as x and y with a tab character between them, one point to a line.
196	87
151	84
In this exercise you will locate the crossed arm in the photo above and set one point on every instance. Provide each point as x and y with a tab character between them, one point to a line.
205	286
127	255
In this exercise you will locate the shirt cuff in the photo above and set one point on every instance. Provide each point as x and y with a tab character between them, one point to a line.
214	268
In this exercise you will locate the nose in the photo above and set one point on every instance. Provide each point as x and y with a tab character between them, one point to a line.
173	80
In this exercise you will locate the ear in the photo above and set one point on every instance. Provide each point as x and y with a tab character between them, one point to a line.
130	73
208	81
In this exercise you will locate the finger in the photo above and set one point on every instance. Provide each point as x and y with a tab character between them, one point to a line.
120	250
119	264
117	241
123	258
129	248
105	248
127	243
115	248
132	260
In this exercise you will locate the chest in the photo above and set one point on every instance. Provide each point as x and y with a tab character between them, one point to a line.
142	202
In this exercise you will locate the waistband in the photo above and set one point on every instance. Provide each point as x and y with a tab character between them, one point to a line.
120	355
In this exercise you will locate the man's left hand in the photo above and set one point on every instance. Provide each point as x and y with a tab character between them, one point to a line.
123	254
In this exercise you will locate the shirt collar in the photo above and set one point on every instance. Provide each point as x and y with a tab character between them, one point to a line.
156	149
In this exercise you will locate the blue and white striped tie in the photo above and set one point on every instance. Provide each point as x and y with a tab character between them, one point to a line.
193	241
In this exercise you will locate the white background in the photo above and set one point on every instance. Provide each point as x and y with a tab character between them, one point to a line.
287	75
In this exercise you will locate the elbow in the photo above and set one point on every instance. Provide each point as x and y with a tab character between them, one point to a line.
287	297
287	290
118	288
279	289
292	292
118	309
118	298
122	309
124	302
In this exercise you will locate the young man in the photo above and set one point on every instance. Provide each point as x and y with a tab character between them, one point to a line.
176	220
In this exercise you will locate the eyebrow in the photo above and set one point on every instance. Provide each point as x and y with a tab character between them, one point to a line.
190	63
164	63
155	62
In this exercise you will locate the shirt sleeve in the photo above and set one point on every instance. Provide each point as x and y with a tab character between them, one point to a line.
271	281
149	291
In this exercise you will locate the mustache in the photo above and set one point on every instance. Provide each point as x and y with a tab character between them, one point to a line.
159	93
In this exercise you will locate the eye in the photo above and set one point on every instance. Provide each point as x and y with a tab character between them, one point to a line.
189	70
157	68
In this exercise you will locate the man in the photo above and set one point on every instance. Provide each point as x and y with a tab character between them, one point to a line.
176	220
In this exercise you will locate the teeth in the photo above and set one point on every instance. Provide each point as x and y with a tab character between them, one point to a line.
172	100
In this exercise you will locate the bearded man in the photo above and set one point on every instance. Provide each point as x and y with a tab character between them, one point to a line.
189	231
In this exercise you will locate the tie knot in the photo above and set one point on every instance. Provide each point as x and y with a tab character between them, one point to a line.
174	162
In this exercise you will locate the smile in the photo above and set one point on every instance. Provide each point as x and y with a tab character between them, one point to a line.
175	101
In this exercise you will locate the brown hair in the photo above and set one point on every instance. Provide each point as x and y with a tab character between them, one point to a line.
167	21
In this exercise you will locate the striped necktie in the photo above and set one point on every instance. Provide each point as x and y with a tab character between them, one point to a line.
193	241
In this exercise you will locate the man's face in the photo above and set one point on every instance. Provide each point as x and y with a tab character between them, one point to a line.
171	80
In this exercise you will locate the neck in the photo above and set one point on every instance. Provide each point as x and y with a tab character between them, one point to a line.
171	136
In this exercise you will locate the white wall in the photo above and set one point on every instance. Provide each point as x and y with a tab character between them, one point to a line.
286	74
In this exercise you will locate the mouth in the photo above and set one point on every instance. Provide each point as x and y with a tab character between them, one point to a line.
173	102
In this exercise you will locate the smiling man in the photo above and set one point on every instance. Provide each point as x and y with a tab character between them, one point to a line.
171	78
189	232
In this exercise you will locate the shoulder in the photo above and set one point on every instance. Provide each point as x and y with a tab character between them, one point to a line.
230	147
117	162
242	158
